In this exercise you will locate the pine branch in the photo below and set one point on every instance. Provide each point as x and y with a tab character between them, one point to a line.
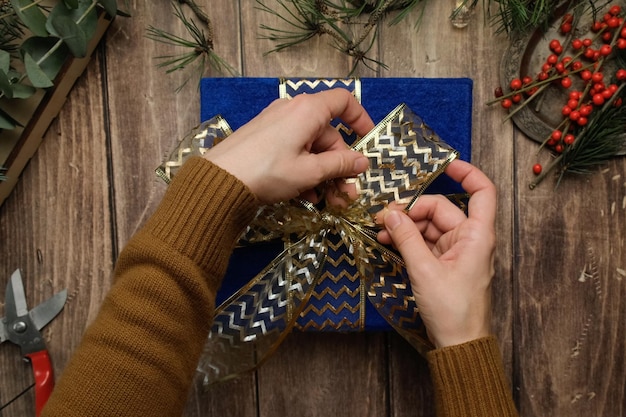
351	25
200	47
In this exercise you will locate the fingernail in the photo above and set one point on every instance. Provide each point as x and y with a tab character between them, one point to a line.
392	219
361	164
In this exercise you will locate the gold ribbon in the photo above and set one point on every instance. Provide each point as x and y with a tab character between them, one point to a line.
405	157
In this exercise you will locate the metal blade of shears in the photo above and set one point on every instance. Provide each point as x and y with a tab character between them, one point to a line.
46	311
15	298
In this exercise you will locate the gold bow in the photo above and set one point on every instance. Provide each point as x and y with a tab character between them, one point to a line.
405	157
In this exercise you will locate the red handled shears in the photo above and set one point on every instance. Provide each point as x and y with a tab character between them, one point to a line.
21	326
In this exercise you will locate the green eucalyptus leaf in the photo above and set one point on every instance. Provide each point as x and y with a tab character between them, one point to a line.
32	16
72	35
23	91
109	5
84	15
6	121
5	61
37	48
35	74
72	4
5	85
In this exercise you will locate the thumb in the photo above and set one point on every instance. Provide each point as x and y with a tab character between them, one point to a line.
409	241
341	163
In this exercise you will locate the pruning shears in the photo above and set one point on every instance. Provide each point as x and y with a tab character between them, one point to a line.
22	327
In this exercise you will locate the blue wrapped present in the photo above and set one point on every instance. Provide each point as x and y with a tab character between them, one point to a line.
445	105
316	267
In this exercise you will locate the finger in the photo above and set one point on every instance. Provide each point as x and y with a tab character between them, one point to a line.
342	104
329	140
337	164
407	238
482	204
439	212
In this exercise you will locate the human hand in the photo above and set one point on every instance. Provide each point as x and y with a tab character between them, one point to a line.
449	257
290	147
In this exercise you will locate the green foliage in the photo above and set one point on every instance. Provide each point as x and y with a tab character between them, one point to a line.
352	26
198	49
36	41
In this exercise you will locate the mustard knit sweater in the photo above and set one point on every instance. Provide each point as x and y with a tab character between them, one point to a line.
138	359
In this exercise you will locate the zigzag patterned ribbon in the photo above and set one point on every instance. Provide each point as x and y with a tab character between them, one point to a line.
405	157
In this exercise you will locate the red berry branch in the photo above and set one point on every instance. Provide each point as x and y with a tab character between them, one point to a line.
597	99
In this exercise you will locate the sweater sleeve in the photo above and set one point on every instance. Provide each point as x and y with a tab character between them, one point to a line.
469	380
139	356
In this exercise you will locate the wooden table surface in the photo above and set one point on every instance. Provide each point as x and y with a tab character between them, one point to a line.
560	286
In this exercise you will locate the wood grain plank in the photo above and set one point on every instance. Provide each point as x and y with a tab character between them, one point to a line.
56	226
439	50
313	374
147	117
572	290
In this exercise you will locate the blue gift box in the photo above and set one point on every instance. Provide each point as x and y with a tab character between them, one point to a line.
444	104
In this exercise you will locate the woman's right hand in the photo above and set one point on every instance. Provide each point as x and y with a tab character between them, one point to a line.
449	257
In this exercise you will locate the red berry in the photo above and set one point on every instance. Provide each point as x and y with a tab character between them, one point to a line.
566	110
566	82
607	36
537	169
585	110
621	74
585	75
574	115
606	17
589	53
615	10
498	92
574	95
568	18
606	94
554	43
613	88
618	102
577	65
565	28
597	77
581	121
622	33
546	67
559	67
558	148
516	98
577	44
556	135
572	103
587	42
605	50
543	75
507	103
596	26
568	139
598	99
552	59
516	84
621	43
613	22
532	91
527	80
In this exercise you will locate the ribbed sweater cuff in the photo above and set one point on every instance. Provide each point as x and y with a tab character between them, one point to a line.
185	219
469	380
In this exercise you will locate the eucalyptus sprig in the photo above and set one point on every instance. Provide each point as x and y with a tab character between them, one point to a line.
351	26
200	48
36	40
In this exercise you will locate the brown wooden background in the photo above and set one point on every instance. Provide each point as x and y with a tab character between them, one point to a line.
560	287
